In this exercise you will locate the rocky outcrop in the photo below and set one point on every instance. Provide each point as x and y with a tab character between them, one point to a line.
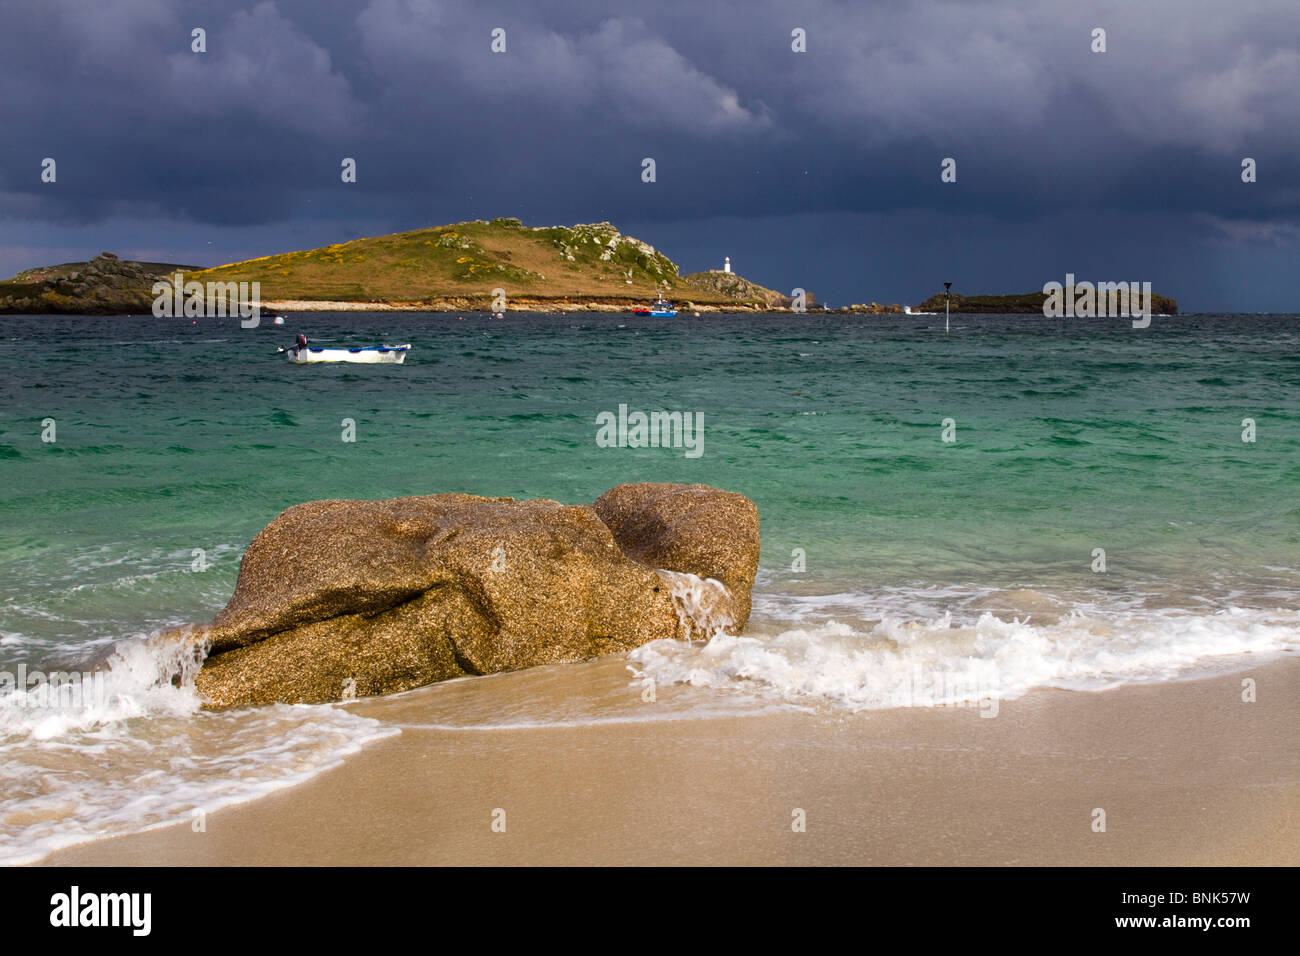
336	598
717	282
874	308
106	285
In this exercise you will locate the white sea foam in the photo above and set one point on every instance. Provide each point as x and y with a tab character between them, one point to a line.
136	752
829	649
703	604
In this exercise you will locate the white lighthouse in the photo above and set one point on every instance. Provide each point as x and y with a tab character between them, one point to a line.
726	264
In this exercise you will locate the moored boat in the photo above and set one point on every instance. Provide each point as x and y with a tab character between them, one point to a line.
662	309
370	355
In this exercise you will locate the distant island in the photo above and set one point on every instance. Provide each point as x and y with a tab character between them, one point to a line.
106	285
453	268
1029	303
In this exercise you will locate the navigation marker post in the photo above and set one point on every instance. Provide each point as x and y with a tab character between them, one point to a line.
946	287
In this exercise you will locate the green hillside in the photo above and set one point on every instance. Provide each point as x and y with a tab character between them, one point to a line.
466	261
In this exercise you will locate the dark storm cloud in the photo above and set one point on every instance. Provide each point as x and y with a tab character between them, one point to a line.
1049	137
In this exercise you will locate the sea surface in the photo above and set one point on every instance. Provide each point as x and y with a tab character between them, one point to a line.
1096	520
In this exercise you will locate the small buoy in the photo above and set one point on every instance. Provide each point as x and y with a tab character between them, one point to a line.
194	323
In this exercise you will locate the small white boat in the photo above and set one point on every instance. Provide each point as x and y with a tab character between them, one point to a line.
907	310
390	354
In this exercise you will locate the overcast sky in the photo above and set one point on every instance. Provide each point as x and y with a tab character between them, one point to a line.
818	169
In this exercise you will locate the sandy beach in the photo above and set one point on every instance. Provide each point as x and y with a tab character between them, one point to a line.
1187	773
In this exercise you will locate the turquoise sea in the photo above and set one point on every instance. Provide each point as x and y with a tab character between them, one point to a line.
886	550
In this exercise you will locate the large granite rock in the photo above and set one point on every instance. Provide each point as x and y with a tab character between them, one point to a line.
373	597
693	528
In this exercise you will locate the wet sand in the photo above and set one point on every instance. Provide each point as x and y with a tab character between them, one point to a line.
1187	773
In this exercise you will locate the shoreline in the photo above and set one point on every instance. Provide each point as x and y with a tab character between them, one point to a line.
528	306
569	306
1187	773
